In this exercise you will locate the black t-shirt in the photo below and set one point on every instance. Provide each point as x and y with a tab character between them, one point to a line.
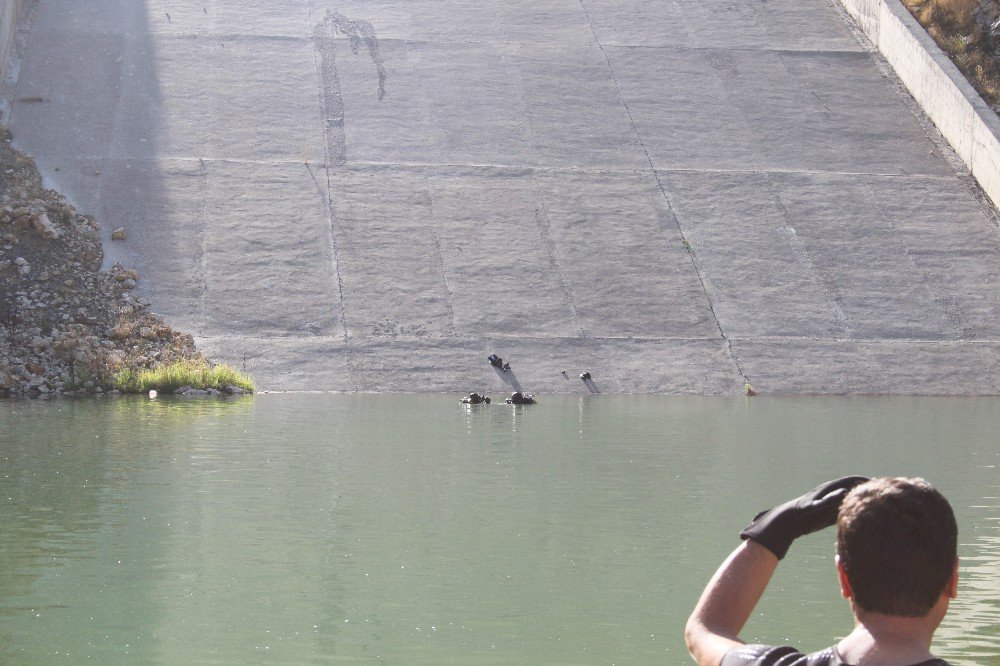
766	655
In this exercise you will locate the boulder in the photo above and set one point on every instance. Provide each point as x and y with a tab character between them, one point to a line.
118	234
44	227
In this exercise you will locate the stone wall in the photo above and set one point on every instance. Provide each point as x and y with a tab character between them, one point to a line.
950	101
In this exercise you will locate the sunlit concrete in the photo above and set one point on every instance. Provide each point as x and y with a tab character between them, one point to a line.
678	197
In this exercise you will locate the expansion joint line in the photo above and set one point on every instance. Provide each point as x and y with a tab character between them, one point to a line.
333	112
663	192
545	229
439	256
828	286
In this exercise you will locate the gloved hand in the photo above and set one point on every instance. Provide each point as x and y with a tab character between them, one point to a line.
777	528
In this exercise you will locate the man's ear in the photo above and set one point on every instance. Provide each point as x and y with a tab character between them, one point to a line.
952	588
845	585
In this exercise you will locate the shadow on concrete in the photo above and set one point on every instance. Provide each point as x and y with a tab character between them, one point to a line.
509	378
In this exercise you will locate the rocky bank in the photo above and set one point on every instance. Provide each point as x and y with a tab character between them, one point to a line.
66	326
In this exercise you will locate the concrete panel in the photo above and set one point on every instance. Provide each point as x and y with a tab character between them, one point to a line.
744	24
389	250
178	17
79	179
855	246
755	265
499	267
434	112
268	84
442	364
268	274
79	97
160	205
683	110
808	366
285	363
728	109
952	245
275	18
525	22
879	367
114	16
621	256
471	104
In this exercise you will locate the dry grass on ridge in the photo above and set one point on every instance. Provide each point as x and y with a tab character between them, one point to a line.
951	24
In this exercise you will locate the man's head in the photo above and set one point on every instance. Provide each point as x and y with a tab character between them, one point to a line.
897	545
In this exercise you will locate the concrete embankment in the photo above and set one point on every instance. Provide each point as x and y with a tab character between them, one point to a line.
949	100
679	197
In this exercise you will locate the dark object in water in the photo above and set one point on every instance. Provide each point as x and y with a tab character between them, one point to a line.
585	376
506	367
476	399
495	361
32	99
519	399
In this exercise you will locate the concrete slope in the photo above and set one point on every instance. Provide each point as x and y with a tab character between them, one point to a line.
374	195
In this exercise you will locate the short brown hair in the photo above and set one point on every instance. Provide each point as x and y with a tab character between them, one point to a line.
897	540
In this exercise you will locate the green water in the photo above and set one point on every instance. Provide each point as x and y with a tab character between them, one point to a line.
411	529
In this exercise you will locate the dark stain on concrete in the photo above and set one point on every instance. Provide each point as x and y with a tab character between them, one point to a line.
324	39
329	86
358	32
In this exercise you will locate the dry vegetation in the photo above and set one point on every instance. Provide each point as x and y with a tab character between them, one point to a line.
958	28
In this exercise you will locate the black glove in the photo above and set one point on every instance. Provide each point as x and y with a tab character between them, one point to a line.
777	528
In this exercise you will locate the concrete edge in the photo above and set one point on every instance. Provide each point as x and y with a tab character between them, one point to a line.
964	119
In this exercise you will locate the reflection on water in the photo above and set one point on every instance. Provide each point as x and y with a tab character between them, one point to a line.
972	627
412	529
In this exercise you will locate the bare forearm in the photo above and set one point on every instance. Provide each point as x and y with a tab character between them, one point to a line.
727	602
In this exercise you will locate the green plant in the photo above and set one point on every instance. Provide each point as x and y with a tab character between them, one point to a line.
169	378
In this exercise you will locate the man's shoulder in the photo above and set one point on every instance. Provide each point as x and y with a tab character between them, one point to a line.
768	655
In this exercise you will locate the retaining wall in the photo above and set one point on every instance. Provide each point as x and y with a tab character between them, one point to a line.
961	115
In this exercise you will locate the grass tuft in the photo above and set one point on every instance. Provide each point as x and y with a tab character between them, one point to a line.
169	378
